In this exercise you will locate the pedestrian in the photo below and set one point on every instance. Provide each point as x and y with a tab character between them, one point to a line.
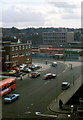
21	77
46	62
60	104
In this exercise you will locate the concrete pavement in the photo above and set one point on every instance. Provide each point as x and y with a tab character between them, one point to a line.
65	96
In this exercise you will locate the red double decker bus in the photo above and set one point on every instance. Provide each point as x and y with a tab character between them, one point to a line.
7	85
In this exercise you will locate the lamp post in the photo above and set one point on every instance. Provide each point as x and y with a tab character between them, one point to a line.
69	49
72	108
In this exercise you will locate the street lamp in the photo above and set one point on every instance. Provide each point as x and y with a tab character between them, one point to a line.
69	49
72	108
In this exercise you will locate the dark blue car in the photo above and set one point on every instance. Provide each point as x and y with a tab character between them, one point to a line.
11	98
65	85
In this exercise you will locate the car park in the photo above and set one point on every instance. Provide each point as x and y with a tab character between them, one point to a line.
11	97
65	85
35	74
49	76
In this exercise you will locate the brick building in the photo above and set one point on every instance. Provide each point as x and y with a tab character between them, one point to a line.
14	54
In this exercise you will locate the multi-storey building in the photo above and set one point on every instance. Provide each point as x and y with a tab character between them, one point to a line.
58	37
14	54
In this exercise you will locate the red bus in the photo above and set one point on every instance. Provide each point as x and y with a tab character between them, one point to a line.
7	85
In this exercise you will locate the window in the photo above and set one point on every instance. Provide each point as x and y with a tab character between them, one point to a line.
21	54
12	83
0	89
27	60
19	47
12	48
29	46
15	63
28	53
8	85
15	55
7	57
16	48
23	47
4	87
26	47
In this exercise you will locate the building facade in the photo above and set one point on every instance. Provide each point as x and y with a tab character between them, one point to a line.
59	38
14	54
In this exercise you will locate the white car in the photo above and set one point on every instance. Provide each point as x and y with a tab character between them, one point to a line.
54	64
26	69
65	85
22	66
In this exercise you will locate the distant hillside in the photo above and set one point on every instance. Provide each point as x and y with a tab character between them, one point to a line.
32	34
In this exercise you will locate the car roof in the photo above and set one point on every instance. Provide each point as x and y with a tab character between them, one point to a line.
65	82
48	73
55	62
34	72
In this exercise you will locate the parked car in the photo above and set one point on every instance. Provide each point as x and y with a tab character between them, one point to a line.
35	74
49	76
11	98
18	73
22	66
12	72
65	85
26	69
17	69
34	67
54	64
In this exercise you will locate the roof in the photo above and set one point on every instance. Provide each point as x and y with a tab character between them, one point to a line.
48	73
64	82
8	80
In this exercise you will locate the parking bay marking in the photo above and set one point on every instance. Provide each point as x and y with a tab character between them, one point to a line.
46	82
38	113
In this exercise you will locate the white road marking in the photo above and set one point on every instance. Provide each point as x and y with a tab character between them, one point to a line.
46	82
32	104
27	112
27	107
62	71
38	113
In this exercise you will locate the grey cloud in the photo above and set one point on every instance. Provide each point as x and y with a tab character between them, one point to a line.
11	15
63	5
71	16
66	6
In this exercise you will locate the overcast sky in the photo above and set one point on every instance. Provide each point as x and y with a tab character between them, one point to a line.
40	13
